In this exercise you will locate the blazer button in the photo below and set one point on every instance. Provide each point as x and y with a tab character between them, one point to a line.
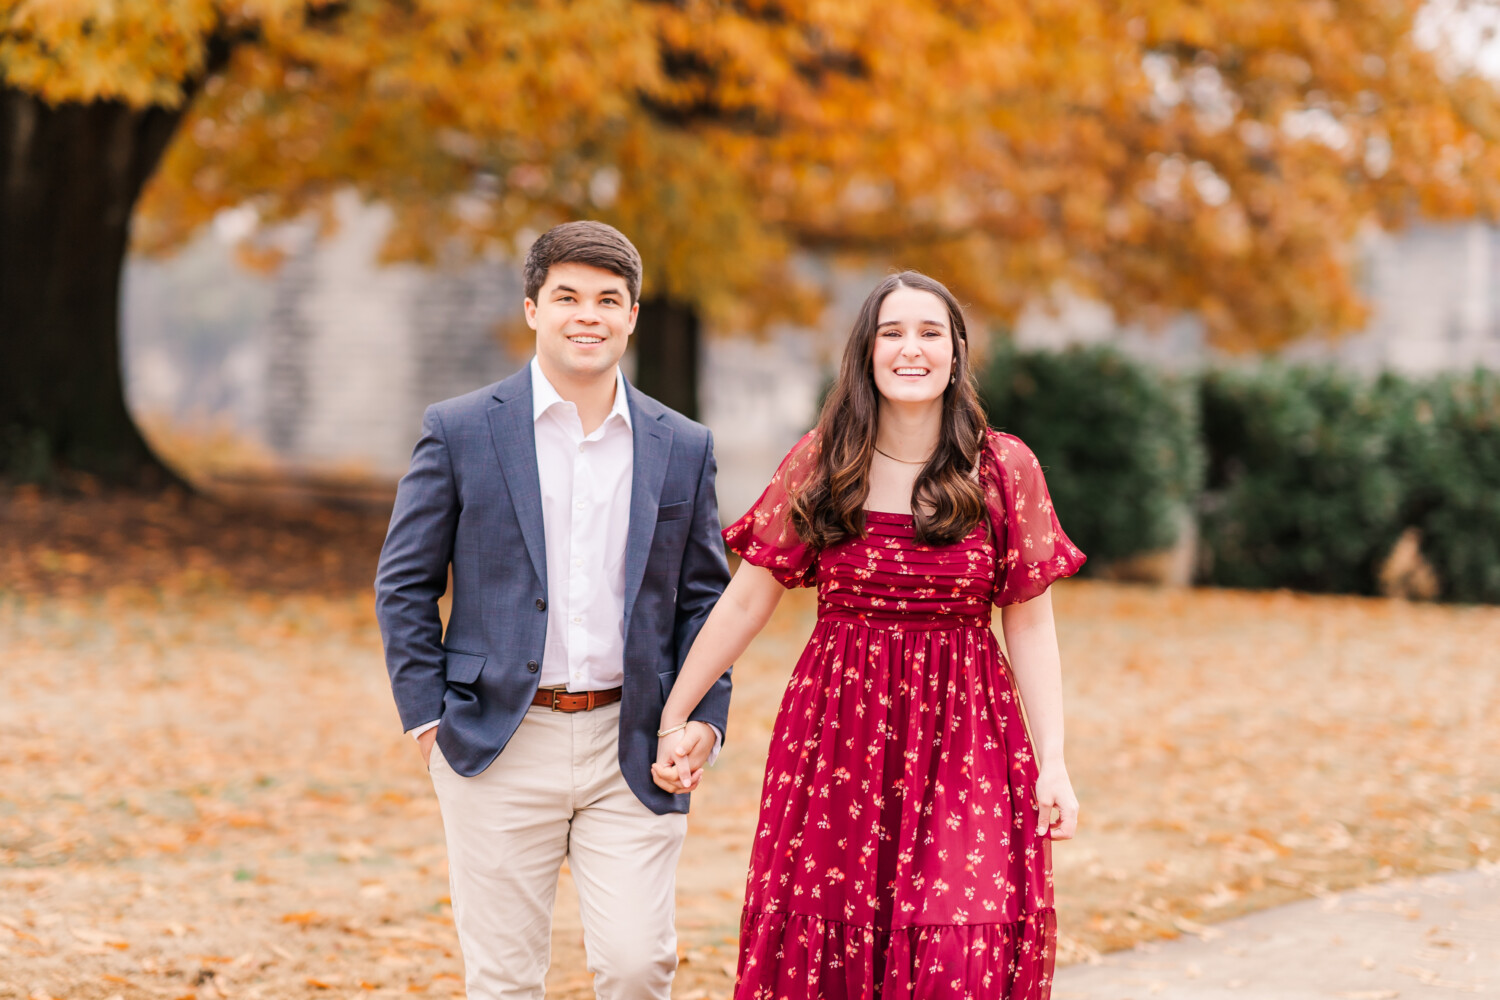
533	666
541	605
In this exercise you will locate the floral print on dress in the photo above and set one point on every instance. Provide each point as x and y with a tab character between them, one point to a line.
896	853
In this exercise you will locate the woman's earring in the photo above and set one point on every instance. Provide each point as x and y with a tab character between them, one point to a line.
953	379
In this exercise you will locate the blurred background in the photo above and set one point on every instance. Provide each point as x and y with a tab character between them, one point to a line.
1233	272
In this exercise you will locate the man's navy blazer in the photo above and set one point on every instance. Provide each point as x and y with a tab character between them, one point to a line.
472	500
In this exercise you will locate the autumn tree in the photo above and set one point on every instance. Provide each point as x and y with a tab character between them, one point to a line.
1160	156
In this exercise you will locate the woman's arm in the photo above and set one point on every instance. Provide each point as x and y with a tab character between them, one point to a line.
1031	640
741	612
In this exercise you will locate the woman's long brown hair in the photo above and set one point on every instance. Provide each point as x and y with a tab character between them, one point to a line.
947	498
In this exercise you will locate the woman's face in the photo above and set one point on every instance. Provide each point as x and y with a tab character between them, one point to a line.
913	353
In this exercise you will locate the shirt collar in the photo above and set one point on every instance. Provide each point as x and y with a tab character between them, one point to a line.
544	395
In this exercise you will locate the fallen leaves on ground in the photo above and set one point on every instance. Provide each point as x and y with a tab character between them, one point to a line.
92	541
204	792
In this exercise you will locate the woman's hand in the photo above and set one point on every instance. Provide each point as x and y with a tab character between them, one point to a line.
741	612
680	757
1057	806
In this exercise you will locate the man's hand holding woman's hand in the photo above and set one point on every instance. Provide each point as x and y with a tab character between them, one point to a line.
680	757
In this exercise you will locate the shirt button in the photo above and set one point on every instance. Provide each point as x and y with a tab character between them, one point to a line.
580	447
541	605
577	562
533	666
581	505
577	619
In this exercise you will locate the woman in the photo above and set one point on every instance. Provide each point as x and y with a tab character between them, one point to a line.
903	842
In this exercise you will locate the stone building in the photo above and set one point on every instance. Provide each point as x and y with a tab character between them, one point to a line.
322	368
1434	292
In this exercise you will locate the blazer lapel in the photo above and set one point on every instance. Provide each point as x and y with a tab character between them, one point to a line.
653	449
513	433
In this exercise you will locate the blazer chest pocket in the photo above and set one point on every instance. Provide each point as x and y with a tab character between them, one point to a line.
673	511
463	668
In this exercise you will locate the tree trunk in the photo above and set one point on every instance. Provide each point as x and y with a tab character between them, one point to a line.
69	179
666	353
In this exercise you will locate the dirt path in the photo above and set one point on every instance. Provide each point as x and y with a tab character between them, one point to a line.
204	793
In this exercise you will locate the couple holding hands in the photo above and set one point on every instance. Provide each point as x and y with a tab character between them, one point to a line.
582	684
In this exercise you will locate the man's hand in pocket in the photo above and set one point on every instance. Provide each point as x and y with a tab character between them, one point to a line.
425	742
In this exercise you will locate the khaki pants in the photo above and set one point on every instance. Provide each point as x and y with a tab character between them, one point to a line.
556	792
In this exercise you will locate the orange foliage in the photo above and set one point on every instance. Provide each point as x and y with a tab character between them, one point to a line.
1158	154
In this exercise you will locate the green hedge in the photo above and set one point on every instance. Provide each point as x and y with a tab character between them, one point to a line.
1119	443
1314	474
1304	489
1448	448
1301	477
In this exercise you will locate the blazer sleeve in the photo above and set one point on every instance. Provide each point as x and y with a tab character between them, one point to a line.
704	575
413	575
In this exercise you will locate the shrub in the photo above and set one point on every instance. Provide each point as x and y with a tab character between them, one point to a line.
1448	450
1304	488
1118	440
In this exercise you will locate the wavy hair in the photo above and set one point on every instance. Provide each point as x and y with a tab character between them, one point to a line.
947	498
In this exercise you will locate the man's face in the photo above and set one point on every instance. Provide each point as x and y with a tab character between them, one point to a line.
583	318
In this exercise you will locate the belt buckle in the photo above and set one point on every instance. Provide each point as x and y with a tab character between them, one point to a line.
557	694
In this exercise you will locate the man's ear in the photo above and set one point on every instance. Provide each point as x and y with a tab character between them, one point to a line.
530	307
635	311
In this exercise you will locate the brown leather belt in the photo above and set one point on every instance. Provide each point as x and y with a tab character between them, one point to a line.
574	701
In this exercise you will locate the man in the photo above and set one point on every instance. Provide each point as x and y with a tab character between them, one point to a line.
579	522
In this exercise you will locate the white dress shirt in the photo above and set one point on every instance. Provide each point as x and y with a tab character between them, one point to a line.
586	488
586	483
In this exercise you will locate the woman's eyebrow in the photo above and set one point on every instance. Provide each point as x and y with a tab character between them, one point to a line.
920	322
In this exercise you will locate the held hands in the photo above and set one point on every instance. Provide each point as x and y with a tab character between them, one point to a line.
1057	814
680	757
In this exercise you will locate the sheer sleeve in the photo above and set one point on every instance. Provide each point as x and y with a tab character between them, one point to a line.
765	536
1034	552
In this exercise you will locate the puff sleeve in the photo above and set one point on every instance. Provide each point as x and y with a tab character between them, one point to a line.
764	536
1033	551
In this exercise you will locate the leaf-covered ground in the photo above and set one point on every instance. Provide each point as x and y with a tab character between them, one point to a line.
204	791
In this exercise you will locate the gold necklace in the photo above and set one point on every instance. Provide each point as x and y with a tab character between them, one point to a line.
903	461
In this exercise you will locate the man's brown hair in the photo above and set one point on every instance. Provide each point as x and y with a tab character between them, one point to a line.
592	243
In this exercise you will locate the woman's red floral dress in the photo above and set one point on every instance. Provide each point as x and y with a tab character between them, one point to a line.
896	854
